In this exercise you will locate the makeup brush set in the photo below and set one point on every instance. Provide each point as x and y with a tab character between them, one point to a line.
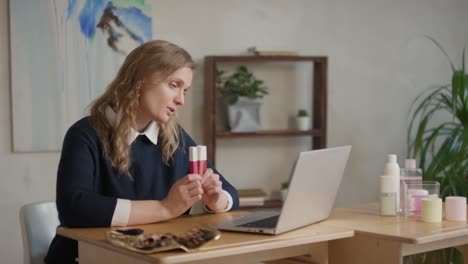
136	240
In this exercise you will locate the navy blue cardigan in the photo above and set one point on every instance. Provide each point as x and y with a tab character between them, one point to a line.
88	186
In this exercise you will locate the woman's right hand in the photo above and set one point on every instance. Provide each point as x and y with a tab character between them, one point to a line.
183	194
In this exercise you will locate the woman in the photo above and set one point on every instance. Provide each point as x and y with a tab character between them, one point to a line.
127	163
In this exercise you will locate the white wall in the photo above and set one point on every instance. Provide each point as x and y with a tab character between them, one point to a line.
377	65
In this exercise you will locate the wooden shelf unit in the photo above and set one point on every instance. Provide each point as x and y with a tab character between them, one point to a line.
319	99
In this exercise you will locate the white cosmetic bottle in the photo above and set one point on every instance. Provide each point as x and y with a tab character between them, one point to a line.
388	196
392	170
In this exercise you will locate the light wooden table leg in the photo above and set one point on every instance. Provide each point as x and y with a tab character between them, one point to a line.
319	253
364	249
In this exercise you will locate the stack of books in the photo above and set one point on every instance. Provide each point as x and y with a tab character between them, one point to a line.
251	197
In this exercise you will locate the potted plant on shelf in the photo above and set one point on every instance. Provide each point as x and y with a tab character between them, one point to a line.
284	190
302	120
442	144
243	93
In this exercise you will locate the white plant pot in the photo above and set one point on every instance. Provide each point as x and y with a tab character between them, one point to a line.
244	115
283	192
303	123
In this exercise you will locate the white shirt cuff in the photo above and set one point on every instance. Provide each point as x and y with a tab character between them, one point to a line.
121	213
228	207
230	202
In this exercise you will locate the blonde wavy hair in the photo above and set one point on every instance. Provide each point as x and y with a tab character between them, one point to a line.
153	57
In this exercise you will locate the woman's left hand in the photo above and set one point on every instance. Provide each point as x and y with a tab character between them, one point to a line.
213	195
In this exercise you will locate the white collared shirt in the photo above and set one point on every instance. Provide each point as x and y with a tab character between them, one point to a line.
151	131
123	206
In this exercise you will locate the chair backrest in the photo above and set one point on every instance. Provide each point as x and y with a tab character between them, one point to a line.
38	224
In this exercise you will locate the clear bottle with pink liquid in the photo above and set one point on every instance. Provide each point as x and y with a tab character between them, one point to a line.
410	174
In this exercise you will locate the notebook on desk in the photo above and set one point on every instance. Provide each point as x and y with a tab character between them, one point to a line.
313	187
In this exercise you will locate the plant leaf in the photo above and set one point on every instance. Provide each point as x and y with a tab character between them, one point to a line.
442	49
457	88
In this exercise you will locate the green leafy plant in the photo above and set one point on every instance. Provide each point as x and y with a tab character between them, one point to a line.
284	185
240	83
302	113
442	144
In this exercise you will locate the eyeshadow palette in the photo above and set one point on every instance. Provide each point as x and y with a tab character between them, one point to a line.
137	240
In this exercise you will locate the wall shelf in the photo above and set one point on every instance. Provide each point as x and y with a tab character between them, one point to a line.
319	99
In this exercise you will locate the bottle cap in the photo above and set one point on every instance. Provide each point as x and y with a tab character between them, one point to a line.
418	192
391	158
201	152
410	163
193	154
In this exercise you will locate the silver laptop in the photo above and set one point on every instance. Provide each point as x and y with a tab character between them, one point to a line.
312	191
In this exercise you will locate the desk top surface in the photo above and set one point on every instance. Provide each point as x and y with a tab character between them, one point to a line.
365	219
342	223
230	243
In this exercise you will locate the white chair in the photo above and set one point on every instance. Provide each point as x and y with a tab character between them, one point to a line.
38	224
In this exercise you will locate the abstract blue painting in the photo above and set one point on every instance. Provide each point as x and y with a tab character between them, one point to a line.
63	54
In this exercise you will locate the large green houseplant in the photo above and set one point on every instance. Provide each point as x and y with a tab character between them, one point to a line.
442	144
242	92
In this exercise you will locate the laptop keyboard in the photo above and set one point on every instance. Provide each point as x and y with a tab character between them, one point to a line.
269	222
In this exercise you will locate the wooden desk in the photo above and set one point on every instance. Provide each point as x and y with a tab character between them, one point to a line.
230	248
386	239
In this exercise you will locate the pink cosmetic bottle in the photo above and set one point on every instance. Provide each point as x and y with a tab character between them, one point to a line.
202	159
193	160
